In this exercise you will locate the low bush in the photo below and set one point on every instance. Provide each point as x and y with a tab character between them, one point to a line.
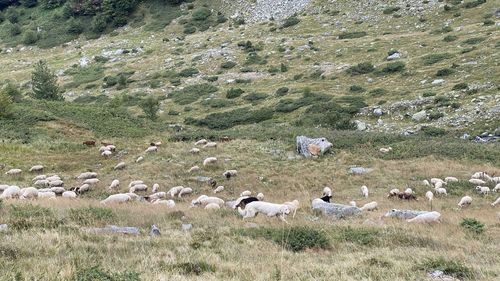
449	267
290	21
473	4
229	119
91	216
472	225
352	35
356	89
27	216
378	92
390	10
435	58
450	38
392	67
474	41
360	236
282	91
188	72
228	65
217	103
435	115
234	93
308	98
444	72
433	131
96	273
460	86
192	268
361	68
255	96
192	93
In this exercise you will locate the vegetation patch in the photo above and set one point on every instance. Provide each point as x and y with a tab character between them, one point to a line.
352	35
361	68
360	236
392	67
290	21
192	268
96	273
308	98
192	93
228	119
454	268
91	216
435	58
472	225
234	93
28	216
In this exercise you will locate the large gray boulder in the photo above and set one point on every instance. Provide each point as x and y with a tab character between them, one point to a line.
340	211
308	147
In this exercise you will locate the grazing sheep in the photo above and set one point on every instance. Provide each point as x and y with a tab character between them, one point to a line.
210	145
403	214
212	206
201	142
168	203
28	193
69	194
483	190
364	191
174	190
209	161
427	217
106	153
246	193
41	183
158	143
135	197
56	183
132	183
269	209
219	188
496	188
480	175
465	201
294	206
46	195
440	191
53	178
496	202
194	169
151	149
477	181
3	187
327	191
429	195
438	184
139	159
14	172
156	196
36	168
385	150
185	190
87	175
91	181
260	196
496	180
408	191
352	203
450	179
138	187
229	174
57	190
393	192
326	198
39	177
120	166
204	200
116	198
11	192
114	184
426	183
340	211
82	189
155	188
372	206
194	150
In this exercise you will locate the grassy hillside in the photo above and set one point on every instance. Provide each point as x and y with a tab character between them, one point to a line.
220	70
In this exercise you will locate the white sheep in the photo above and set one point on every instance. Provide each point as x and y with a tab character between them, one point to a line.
155	188
441	191
260	196
157	196
293	206
132	183
194	169
364	191
438	184
56	183
69	194
450	179
106	153
53	178
139	159
11	192
393	192
385	150
138	187
114	184
465	201
327	191
111	147
219	188
477	181
36	168
480	175
120	166
116	198
426	183
426	217
3	187
372	206
496	202
230	173
194	150
91	181
83	188
201	142
483	190
408	191
151	149
210	145
185	190
204	200
28	193
269	209
157	143
496	188
212	206
174	190
168	203
353	203
103	148
41	183
434	180
209	161
429	195
496	180
246	193
87	175
39	177
14	172
134	197
46	195
57	190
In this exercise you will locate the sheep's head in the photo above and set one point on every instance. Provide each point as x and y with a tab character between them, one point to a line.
285	210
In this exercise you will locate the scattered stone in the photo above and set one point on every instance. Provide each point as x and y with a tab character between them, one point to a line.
337	210
439	275
394	56
360	126
186	226
155	231
437	82
378	112
3	227
359	170
318	145
419	116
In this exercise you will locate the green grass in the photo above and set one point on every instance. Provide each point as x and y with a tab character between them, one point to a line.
192	93
435	58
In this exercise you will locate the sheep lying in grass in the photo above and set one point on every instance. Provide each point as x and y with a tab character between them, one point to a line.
372	206
219	188
201	142
116	198
194	150
120	166
465	201
87	175
385	149
477	181
229	174
151	149
69	194
269	209
450	179
483	190
210	145
37	168
139	159
11	192
106	153
14	172
496	202
246	193
203	200
427	217
185	190
168	203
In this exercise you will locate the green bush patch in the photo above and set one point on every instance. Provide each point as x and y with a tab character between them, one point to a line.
192	93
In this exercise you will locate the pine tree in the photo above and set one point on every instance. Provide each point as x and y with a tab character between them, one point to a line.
44	83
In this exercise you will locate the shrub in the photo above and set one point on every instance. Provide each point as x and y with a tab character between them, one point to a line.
91	216
228	119
361	68
150	107
85	75
449	267
360	236
96	273
211	78
435	115
283	67
30	37
474	41
450	38
356	89
290	21
254	58
255	96
390	10
444	72
189	29
234	93
282	91
201	14
378	92
190	268
308	98
5	105
208	238
352	35
435	58
12	91
460	86
192	93
488	22
433	131
228	65
44	83
392	67
27	216
188	72
428	94
217	103
472	225
473	4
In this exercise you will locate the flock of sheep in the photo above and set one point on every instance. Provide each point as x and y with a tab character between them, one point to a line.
247	206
